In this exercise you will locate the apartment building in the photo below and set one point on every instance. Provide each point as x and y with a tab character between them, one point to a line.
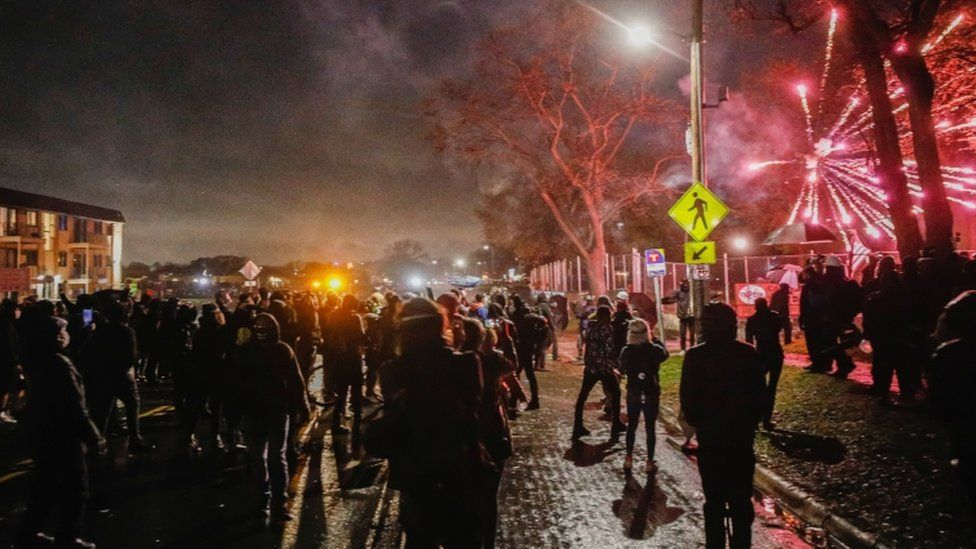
63	246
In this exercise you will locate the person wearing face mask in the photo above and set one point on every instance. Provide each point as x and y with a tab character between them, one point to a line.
274	391
61	432
723	395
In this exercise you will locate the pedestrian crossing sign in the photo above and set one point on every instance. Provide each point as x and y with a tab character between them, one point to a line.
698	211
700	253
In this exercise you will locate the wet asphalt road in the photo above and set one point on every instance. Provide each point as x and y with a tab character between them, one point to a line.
553	494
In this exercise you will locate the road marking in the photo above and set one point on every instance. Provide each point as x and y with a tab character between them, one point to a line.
157	410
12	476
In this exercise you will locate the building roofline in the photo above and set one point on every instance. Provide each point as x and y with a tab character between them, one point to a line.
13	198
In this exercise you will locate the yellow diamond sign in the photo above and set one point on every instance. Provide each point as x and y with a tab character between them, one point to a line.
698	211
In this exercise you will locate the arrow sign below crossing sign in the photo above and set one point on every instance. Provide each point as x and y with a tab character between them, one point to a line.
698	211
655	262
700	253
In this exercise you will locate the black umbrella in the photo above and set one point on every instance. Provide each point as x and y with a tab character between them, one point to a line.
801	232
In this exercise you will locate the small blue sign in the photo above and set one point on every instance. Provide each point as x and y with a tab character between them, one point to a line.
655	262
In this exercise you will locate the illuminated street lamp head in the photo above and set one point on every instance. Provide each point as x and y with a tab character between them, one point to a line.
486	247
335	283
640	35
416	282
460	263
740	243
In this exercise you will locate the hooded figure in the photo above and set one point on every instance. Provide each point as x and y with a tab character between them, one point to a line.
347	339
953	382
274	392
723	395
762	330
109	359
61	432
430	431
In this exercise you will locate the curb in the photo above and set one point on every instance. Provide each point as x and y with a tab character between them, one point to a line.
797	501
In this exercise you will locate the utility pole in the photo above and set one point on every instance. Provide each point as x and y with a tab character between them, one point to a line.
699	288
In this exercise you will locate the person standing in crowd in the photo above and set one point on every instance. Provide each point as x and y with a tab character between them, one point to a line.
306	331
9	358
762	330
61	433
274	392
686	318
953	383
209	362
348	338
813	318
430	432
176	340
887	322
531	331
584	310
620	321
780	303
372	354
108	360
600	366
640	361
842	303
723	396
545	311
492	419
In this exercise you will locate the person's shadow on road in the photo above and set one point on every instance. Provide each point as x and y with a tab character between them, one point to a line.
583	454
643	509
808	447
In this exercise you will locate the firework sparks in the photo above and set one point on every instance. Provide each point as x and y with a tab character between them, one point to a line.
853	194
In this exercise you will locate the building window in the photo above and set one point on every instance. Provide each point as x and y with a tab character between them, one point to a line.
10	258
108	261
81	230
62	223
30	258
11	221
97	227
79	266
62	259
31	218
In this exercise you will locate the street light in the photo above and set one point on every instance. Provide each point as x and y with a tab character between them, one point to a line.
640	35
740	243
491	264
459	263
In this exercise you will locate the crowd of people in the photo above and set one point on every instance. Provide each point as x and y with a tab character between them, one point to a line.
450	370
448	364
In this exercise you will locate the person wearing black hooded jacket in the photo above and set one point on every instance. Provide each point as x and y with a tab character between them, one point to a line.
723	395
61	433
109	359
430	432
273	392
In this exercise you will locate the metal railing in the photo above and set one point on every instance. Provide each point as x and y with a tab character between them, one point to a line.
627	272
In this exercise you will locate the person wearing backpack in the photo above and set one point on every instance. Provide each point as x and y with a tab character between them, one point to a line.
430	432
640	361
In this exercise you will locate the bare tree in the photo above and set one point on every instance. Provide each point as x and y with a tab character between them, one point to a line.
549	103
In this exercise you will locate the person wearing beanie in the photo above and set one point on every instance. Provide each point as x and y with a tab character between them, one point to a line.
640	361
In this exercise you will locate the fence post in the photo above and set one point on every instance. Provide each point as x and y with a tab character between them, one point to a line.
725	259
745	267
579	274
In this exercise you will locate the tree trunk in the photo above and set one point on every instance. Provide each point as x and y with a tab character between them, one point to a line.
919	91
890	173
596	261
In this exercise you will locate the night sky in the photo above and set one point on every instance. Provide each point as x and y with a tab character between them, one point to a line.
279	130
